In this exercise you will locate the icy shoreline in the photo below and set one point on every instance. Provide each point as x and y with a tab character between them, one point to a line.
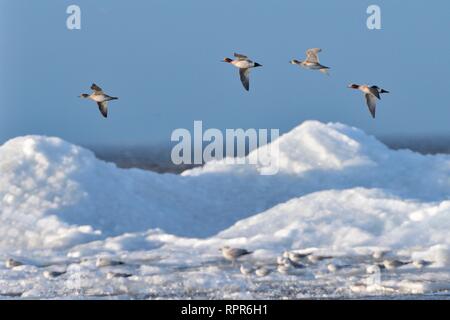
339	192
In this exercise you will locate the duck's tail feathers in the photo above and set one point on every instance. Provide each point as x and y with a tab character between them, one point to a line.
325	71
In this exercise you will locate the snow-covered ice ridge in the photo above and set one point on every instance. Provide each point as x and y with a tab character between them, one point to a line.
339	193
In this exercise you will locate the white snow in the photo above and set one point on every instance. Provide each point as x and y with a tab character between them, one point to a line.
338	192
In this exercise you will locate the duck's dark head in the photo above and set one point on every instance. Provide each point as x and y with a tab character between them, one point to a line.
353	86
84	95
228	60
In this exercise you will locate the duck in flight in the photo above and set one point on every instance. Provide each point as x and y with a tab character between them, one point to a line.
312	61
100	97
244	64
371	93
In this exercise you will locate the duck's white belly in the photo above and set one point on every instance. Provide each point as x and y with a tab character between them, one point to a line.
366	90
98	98
312	66
242	64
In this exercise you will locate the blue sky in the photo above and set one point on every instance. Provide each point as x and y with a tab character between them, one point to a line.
162	58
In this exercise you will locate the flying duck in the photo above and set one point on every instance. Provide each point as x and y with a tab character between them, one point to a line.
312	61
244	64
100	97
371	93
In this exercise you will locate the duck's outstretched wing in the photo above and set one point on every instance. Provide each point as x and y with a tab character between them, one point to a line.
311	55
240	56
380	90
96	88
375	91
371	103
103	107
245	78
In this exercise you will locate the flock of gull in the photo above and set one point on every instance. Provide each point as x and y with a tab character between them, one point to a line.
291	270
292	262
244	64
289	263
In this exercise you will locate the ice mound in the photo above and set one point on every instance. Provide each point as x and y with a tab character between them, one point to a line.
336	187
54	194
352	218
315	146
